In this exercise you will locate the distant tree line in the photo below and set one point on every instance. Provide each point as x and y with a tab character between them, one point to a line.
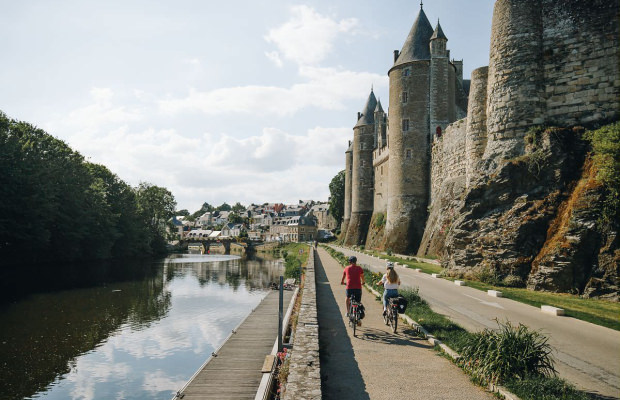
57	207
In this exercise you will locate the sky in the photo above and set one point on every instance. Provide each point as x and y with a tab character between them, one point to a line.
217	101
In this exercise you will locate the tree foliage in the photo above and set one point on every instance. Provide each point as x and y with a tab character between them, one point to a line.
336	199
57	207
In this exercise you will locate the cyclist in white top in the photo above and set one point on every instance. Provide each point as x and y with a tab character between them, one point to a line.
390	282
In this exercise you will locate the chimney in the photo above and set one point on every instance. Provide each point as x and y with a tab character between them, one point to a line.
395	55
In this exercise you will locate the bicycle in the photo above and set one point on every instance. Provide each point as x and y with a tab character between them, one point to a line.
391	314
354	314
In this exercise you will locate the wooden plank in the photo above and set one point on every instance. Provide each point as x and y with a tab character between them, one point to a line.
236	371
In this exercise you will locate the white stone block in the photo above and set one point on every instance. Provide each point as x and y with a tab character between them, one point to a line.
435	275
459	283
495	293
418	270
552	310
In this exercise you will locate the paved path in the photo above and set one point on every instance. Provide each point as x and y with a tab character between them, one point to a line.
378	364
236	371
587	355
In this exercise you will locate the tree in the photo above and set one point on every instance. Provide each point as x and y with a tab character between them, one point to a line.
224	207
182	212
156	206
238	208
336	200
206	207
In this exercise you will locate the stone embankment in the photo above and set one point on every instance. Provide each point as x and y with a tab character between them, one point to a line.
304	380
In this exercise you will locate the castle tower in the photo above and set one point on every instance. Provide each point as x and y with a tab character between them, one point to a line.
380	165
516	92
348	170
409	160
476	134
439	90
380	126
362	179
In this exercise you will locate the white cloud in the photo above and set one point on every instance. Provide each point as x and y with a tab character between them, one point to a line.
324	88
274	57
308	37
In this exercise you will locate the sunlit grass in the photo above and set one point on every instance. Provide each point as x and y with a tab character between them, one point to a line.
598	312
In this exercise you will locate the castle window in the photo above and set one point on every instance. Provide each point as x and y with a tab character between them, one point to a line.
382	170
408	153
438	131
405	125
405	97
406	72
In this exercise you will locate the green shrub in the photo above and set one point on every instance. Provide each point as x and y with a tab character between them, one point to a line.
379	220
513	281
508	353
488	275
389	251
292	267
606	147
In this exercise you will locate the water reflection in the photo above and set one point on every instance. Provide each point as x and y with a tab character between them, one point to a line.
133	339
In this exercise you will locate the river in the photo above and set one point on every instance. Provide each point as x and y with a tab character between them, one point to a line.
133	332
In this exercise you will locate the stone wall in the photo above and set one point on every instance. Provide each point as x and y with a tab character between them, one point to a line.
551	62
580	52
348	168
449	159
304	379
381	165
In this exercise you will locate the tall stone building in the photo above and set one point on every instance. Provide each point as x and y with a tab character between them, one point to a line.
390	161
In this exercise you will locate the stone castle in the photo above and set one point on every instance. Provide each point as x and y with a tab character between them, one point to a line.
551	63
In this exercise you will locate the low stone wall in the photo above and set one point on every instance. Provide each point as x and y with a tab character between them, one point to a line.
304	379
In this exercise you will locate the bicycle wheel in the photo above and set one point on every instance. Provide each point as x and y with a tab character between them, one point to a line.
354	321
386	316
394	320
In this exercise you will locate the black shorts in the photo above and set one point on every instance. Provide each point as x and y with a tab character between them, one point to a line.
355	294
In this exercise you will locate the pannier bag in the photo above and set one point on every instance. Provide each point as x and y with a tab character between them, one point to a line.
402	304
362	311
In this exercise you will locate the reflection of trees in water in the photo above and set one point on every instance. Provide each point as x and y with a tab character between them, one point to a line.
253	274
43	335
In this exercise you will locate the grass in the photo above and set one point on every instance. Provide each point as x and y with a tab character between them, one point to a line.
598	312
295	256
425	267
545	388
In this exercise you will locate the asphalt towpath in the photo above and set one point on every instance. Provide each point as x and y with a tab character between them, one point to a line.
378	364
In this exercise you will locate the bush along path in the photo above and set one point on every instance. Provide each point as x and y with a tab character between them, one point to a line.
513	361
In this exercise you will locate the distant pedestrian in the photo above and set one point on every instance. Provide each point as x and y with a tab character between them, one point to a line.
354	274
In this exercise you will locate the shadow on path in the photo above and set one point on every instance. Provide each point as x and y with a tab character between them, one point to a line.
340	375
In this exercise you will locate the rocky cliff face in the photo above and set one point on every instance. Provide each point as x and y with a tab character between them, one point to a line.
533	220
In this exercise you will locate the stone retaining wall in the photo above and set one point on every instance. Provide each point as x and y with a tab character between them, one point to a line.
304	379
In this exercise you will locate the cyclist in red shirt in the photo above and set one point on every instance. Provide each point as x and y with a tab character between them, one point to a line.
355	279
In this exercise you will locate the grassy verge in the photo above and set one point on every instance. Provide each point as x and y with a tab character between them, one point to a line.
457	338
598	312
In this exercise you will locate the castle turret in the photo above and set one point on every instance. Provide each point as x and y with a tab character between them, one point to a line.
408	180
362	178
440	99
476	136
380	126
516	78
348	170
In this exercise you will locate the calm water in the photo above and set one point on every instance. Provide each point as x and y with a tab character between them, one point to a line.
140	337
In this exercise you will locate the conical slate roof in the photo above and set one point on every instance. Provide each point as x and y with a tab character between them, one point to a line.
438	34
379	108
416	46
368	115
